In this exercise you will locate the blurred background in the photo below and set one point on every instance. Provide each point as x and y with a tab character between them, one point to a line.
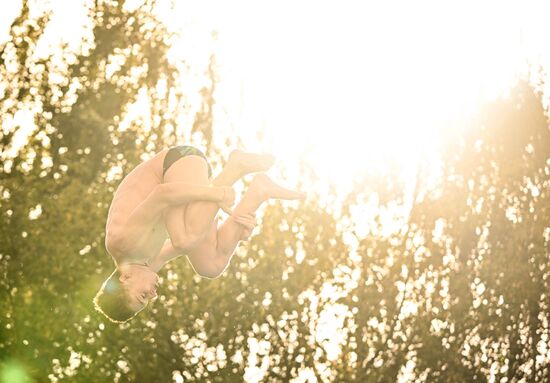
420	130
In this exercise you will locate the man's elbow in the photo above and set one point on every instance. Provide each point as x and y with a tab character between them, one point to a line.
211	271
210	274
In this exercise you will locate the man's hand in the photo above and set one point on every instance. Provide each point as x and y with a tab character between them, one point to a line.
228	200
248	221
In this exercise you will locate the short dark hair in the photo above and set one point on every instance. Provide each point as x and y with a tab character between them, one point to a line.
111	300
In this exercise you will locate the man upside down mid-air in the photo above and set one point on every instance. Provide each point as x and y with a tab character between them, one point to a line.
166	207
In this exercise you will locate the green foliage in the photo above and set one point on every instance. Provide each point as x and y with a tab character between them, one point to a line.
472	260
459	292
54	262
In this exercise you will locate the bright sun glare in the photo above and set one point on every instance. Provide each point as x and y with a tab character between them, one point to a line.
344	86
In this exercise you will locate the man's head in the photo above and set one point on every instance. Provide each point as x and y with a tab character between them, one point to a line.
126	292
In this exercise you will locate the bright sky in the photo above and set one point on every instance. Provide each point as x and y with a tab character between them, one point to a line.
356	81
344	85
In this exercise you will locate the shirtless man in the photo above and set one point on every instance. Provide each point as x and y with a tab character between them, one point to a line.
166	207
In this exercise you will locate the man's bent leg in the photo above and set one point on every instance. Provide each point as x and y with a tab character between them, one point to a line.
211	257
183	232
261	189
125	232
199	215
188	225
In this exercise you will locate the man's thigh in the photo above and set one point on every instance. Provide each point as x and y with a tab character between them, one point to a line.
189	169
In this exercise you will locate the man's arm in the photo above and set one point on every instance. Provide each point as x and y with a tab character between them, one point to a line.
126	232
166	254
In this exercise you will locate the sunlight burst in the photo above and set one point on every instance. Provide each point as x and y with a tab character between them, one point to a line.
347	87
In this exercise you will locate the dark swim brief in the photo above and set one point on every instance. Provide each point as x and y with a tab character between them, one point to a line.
178	152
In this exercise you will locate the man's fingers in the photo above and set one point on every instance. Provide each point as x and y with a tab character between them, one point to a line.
247	219
245	222
227	210
247	225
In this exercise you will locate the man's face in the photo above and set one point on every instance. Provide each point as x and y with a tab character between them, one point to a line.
140	284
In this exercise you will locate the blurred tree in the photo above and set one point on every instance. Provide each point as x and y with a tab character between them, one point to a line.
62	153
56	186
460	293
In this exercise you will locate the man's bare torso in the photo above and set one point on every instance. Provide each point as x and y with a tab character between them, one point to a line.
133	189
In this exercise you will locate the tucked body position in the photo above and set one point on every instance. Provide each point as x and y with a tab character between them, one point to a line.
167	207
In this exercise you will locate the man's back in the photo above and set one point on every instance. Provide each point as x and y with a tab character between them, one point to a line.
133	189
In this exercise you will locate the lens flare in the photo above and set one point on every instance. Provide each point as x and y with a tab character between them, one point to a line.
13	372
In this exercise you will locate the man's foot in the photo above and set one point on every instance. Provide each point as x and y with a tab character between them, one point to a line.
244	163
267	189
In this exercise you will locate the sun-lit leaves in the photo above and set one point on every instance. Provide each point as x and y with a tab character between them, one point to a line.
464	286
446	283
